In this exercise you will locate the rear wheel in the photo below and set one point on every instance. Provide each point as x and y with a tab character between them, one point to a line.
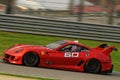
31	59
93	66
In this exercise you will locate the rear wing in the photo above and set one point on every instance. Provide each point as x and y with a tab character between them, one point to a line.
106	49
101	46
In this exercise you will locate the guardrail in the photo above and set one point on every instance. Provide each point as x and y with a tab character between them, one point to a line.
54	27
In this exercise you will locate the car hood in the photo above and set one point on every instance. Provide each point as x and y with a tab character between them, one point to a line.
21	47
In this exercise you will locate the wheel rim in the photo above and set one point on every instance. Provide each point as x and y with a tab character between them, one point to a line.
31	59
93	66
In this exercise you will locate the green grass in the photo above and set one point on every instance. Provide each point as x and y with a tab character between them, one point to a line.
8	39
28	77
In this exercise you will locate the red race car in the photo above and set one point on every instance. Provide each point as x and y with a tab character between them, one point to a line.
65	54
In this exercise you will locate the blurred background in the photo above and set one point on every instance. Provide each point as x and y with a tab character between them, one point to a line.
87	11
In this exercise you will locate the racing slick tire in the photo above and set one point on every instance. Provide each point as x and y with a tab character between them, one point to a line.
31	59
93	66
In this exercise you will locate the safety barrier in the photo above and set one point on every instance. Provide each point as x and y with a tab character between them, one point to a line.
52	27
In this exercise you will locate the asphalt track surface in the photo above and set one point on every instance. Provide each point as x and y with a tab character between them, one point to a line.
54	74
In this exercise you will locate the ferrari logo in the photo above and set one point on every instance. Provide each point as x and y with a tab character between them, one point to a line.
42	52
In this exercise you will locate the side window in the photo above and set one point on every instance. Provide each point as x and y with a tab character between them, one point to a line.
66	48
83	49
73	48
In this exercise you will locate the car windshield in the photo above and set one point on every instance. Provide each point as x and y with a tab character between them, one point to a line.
55	44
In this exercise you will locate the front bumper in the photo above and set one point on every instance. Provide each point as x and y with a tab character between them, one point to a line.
12	59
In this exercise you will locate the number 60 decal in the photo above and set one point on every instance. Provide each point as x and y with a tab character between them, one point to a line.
71	54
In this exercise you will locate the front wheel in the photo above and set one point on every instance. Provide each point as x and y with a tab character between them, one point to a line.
31	59
93	66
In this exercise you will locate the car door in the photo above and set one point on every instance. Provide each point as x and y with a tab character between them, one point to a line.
67	55
60	56
71	54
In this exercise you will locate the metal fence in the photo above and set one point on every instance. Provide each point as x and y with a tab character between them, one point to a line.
52	27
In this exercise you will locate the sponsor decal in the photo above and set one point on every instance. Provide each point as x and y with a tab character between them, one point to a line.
86	54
